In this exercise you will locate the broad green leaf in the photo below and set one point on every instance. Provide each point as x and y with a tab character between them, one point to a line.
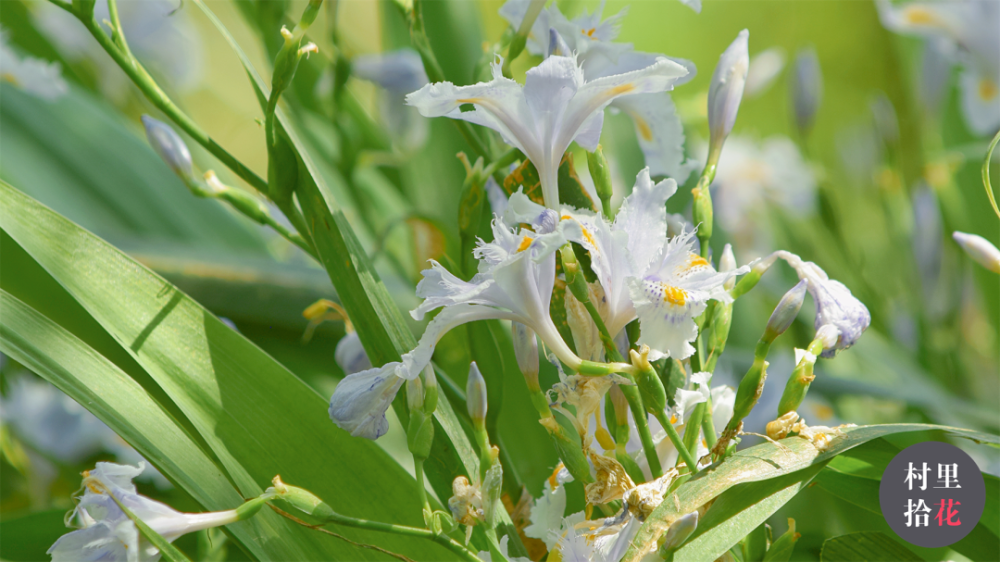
980	544
866	547
380	325
258	419
116	399
739	511
763	462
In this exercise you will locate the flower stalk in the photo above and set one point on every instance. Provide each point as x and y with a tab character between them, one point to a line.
308	503
577	285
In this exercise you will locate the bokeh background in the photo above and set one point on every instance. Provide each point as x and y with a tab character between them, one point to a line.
886	180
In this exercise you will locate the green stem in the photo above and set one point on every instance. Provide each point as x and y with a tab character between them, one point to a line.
442	539
986	173
418	473
708	424
578	286
134	70
675	438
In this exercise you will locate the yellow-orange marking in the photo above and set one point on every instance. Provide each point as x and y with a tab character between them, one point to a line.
525	242
674	295
987	90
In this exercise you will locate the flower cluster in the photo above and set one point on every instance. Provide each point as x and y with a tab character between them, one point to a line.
643	274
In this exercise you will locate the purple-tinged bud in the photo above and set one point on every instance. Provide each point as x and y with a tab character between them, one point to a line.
726	91
807	89
171	148
786	311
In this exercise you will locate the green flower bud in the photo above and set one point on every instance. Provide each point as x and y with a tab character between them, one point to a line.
475	396
420	434
600	172
786	311
654	397
570	450
701	210
302	499
526	352
430	390
749	281
415	394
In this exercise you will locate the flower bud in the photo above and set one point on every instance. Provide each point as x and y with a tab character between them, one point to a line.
415	394
979	249
526	351
620	404
884	115
807	89
750	280
725	92
301	499
430	390
727	263
786	311
680	530
654	397
171	148
420	433
350	354
475	395
601	174
309	14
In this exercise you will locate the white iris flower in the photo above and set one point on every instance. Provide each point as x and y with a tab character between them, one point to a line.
969	29
515	280
657	125
555	107
108	534
644	274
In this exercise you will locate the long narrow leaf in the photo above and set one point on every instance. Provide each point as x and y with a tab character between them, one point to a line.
258	418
